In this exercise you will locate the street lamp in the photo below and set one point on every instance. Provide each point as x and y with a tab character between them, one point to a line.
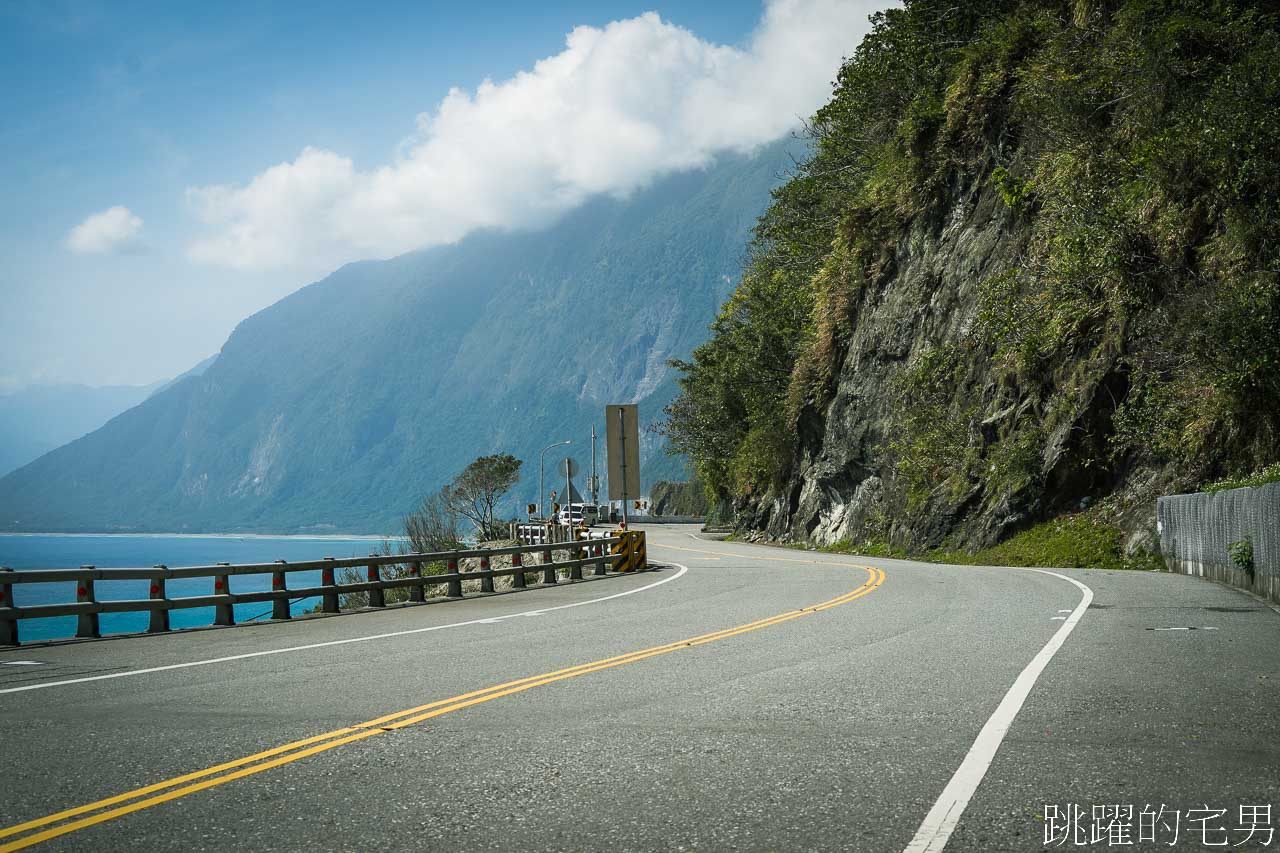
542	460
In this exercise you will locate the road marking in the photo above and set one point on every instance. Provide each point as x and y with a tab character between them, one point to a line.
1056	618
190	783
23	663
1192	628
209	661
941	821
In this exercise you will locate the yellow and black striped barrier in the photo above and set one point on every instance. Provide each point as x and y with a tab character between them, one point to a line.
622	552
629	554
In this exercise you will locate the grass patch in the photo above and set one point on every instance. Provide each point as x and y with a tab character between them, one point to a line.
1077	541
1071	542
1270	474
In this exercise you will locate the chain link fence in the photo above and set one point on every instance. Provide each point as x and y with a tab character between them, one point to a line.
1231	536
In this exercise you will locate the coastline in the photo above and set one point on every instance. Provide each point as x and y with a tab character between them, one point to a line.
334	537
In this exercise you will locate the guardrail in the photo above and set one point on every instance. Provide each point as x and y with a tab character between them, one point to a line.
617	553
544	533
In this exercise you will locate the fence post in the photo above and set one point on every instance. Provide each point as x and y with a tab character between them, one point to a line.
548	557
159	618
455	584
329	601
279	606
417	592
575	571
601	568
486	584
223	614
548	575
86	623
377	598
517	580
8	624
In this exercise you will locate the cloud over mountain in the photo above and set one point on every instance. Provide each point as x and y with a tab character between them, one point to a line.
618	107
106	231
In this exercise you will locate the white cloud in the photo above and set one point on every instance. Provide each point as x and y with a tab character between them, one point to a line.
110	230
616	108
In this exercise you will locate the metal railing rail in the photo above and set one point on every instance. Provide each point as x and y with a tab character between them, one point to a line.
598	553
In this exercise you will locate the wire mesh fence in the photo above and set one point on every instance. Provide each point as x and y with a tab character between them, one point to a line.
1232	536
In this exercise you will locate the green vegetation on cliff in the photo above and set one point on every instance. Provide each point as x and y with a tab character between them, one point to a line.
1115	165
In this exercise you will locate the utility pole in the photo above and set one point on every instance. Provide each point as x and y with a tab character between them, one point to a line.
542	466
595	480
622	434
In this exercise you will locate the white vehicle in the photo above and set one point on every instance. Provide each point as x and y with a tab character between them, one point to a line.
578	514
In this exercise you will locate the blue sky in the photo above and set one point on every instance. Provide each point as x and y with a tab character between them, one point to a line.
173	110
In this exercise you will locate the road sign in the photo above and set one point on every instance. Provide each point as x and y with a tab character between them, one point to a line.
622	441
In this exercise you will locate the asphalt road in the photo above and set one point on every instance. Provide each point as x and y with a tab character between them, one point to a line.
838	728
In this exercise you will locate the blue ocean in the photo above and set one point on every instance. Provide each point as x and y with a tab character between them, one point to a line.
23	552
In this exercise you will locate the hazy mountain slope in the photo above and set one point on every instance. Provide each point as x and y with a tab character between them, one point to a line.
199	369
39	418
341	405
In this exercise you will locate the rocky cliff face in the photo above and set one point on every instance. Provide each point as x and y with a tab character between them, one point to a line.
925	439
836	486
1030	270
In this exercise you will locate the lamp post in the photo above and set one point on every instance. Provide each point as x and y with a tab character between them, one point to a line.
542	465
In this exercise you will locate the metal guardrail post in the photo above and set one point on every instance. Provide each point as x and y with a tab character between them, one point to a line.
417	592
8	625
329	601
86	623
486	584
455	585
279	606
159	618
223	614
601	568
517	580
377	598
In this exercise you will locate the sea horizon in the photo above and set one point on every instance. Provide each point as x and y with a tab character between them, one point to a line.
230	535
35	551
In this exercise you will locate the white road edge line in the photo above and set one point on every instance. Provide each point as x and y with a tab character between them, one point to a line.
941	821
209	661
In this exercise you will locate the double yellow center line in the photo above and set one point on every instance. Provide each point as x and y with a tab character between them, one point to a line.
70	820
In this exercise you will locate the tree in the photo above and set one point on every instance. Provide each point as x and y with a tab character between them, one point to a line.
475	492
433	526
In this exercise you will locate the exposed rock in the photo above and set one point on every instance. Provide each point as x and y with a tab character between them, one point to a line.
687	498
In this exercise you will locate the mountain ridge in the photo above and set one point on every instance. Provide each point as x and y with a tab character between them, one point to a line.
341	405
